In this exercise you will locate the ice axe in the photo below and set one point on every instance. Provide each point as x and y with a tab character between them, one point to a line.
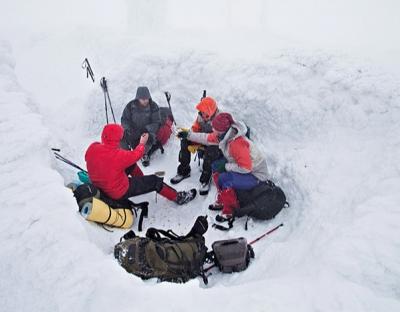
168	97
86	66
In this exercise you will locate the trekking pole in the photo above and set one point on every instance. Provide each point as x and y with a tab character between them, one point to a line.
265	234
251	243
104	87
204	94
88	68
65	160
168	97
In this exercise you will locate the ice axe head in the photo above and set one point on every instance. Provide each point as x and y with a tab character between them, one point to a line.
167	95
103	83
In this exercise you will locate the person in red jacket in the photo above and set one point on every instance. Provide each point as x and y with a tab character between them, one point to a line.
115	172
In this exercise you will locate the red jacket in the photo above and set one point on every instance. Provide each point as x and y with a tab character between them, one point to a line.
106	162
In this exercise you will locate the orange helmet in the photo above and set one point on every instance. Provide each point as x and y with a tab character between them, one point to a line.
207	107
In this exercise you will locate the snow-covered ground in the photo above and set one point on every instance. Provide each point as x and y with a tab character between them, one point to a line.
327	123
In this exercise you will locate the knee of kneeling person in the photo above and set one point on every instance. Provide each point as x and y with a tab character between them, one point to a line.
225	180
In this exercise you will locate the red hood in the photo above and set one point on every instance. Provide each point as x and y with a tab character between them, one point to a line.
207	106
112	135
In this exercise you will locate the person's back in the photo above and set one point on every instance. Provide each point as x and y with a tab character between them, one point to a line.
115	172
105	173
106	162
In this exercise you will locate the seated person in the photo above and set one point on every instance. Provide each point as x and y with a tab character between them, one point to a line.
141	115
115	172
207	110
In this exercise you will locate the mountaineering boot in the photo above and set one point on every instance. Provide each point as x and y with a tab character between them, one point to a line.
179	177
185	196
205	187
228	200
146	160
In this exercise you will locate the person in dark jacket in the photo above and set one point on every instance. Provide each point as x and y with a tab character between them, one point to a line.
141	115
115	172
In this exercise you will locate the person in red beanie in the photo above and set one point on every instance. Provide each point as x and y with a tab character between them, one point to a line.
115	171
242	166
207	110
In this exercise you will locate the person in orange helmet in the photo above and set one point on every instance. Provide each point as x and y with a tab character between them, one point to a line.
207	110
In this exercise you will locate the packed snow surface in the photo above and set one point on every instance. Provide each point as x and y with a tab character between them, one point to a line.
327	123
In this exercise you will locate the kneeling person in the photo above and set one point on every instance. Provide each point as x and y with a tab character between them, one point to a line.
115	172
242	166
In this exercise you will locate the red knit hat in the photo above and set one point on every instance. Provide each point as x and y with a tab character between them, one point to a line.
112	134
222	122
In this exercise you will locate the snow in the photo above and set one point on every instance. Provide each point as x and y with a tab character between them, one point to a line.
327	122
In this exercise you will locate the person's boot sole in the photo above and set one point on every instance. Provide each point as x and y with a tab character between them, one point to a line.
203	192
173	182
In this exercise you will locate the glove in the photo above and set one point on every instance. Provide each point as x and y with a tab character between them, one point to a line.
219	165
183	133
193	148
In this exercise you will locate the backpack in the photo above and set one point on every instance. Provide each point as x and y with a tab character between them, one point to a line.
232	255
165	131
263	202
97	207
163	254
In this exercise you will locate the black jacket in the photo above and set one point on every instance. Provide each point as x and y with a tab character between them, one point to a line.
137	119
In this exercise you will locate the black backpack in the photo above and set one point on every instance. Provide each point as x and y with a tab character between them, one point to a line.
263	202
163	254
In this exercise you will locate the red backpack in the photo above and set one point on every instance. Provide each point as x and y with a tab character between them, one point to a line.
165	130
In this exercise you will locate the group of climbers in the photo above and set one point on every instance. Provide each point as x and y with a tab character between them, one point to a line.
230	158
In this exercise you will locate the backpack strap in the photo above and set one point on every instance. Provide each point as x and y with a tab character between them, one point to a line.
144	212
220	218
157	234
128	235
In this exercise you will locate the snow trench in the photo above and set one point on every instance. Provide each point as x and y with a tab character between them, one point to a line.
329	129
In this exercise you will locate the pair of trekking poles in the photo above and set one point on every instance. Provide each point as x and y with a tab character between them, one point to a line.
103	84
107	101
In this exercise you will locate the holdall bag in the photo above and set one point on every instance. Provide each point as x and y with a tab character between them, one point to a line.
232	255
164	254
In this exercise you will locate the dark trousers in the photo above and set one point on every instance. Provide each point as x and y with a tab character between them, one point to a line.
143	185
131	141
211	153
